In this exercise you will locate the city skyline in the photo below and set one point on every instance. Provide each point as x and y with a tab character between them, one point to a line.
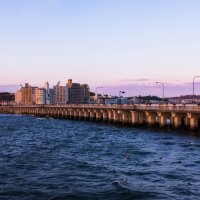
140	89
118	45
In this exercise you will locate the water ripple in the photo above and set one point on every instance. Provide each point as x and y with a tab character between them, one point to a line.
66	159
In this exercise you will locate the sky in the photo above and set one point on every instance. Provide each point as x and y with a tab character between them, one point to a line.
116	44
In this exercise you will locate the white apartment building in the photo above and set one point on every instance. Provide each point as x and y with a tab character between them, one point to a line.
40	96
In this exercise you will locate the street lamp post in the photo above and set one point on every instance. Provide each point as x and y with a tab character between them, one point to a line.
96	91
193	86
120	100
163	85
121	92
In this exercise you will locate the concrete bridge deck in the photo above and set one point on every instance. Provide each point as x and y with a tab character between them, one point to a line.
176	116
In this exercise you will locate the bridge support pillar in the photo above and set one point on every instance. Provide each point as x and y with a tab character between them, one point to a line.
92	115
110	115
142	118
86	115
71	114
105	115
125	117
116	116
193	121
151	118
63	113
134	118
81	115
162	119
76	114
99	116
179	120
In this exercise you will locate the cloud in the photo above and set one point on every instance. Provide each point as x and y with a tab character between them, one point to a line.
136	80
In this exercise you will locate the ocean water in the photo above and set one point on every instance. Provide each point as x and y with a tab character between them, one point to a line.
42	158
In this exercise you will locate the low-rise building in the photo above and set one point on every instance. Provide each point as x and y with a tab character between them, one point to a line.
110	101
7	98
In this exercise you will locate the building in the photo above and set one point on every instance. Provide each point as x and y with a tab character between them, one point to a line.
78	93
51	96
7	98
134	100
26	95
47	93
40	96
85	93
60	94
110	101
70	93
18	97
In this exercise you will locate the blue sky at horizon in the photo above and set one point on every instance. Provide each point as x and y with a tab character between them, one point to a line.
118	44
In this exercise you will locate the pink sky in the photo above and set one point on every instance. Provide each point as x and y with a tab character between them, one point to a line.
135	88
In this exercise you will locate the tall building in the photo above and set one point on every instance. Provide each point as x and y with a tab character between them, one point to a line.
70	93
51	96
40	96
85	93
60	94
78	93
47	95
18	97
26	95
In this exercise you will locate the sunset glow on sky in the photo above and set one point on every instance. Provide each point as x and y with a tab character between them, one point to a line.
117	44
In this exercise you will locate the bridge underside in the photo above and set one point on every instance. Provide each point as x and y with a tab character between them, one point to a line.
117	114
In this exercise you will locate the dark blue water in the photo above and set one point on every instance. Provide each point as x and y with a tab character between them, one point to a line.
63	159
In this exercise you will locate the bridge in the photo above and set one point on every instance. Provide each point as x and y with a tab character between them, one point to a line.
176	116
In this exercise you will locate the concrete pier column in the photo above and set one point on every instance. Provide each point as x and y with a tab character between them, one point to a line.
57	113
142	118
193	121
66	114
92	115
110	116
125	117
99	116
116	116
134	118
187	121
105	115
81	115
42	112
71	114
86	115
178	120
49	112
62	112
162	119
151	118
76	114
